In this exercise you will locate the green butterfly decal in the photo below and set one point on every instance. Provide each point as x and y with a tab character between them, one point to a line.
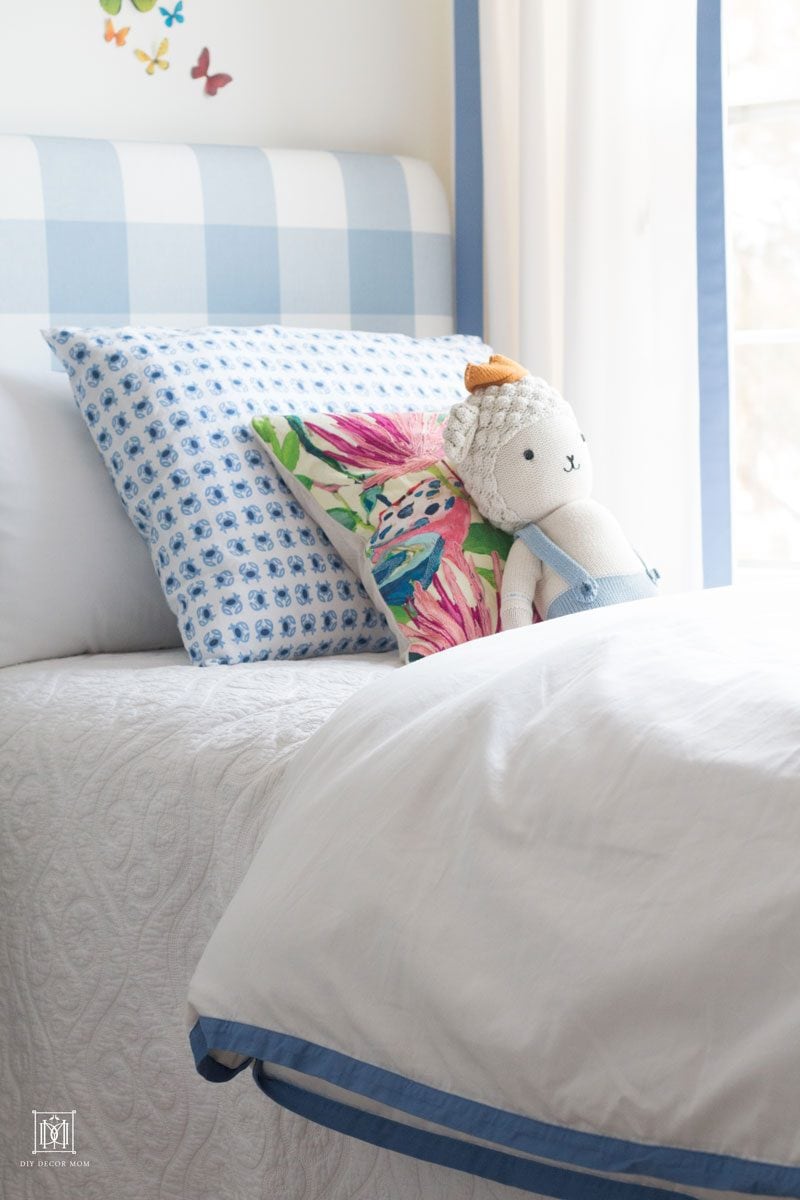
112	7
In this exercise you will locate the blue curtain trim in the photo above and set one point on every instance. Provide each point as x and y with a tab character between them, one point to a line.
712	302
468	168
525	1135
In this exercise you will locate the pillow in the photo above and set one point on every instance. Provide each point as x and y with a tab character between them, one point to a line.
74	576
242	567
398	514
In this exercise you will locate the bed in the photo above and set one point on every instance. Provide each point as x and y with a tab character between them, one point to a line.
601	809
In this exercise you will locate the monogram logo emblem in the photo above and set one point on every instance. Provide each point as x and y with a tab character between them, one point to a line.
53	1132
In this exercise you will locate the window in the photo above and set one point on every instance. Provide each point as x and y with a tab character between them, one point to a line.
763	213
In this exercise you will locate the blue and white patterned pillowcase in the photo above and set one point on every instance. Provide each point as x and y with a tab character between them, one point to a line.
247	574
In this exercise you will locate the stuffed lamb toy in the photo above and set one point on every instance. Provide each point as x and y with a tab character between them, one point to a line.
522	458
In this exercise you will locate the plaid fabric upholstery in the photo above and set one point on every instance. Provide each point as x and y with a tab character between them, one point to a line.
96	232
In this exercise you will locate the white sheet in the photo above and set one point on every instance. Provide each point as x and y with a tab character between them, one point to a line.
133	789
554	873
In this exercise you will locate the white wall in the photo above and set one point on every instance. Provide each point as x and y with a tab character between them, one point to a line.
372	75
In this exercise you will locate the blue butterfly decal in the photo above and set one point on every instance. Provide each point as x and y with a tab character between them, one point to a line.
171	17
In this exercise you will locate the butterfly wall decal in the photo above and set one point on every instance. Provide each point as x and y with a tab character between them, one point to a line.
116	35
112	7
213	82
157	60
171	17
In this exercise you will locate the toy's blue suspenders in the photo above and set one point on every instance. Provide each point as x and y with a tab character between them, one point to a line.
583	590
570	571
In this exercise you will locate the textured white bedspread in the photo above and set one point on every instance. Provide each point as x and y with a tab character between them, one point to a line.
133	792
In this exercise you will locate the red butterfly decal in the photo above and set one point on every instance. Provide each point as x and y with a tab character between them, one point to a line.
213	82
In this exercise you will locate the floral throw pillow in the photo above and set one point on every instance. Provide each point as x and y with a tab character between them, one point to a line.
379	486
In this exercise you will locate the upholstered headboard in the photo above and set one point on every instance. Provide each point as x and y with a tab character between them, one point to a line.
110	233
97	232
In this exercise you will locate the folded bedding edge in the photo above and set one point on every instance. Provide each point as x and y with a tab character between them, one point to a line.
543	1179
573	1156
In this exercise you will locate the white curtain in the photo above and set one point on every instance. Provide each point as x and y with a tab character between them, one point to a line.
588	117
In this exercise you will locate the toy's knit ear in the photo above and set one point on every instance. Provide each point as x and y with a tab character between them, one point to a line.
460	430
497	371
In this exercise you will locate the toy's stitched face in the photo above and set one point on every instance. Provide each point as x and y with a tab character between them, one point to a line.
544	466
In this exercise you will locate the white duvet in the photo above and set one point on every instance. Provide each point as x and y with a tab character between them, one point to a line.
531	908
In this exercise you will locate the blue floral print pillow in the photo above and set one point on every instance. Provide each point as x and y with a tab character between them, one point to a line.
247	573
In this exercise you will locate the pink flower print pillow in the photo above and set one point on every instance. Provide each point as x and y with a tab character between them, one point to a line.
380	488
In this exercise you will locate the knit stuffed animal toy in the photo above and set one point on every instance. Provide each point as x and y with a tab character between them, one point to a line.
522	458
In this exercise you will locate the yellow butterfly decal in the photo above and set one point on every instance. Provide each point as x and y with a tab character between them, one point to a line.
158	60
116	35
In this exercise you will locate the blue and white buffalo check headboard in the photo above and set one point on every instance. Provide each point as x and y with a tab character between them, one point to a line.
97	232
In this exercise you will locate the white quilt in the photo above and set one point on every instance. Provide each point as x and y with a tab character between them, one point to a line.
133	791
531	908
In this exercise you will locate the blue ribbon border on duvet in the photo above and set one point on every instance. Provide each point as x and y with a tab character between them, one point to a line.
570	1147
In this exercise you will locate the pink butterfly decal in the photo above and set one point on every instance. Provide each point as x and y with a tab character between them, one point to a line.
213	82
